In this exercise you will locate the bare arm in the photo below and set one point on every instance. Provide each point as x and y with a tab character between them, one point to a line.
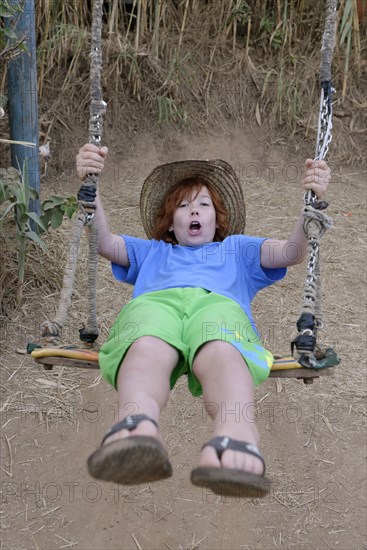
276	253
90	159
110	246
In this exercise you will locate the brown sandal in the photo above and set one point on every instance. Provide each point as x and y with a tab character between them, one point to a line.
132	460
230	482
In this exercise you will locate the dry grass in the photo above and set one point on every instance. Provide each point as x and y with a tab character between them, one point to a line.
203	65
28	391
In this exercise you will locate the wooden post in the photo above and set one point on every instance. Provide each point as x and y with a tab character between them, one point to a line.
23	98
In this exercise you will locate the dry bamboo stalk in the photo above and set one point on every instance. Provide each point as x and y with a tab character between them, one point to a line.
228	28
25	143
279	17
144	18
235	26
155	39
163	19
129	24
221	16
44	50
112	27
248	38
357	41
137	33
182	27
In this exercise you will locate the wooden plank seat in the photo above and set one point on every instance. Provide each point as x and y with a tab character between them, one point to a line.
283	367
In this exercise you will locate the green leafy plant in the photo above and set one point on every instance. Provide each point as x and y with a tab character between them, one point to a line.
17	193
10	43
272	32
55	208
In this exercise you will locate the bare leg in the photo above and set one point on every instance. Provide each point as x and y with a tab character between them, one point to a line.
228	397
143	382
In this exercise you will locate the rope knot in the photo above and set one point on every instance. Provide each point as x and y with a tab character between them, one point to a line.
315	222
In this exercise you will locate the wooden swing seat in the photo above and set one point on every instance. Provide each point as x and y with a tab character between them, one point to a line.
283	367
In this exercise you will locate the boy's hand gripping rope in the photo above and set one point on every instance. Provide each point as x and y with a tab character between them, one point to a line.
51	330
316	222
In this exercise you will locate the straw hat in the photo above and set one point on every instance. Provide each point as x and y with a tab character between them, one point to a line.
216	172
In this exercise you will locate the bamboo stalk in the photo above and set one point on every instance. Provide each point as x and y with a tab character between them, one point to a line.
357	40
234	30
44	51
248	38
113	20
129	23
228	28
144	17
182	27
155	39
25	143
137	33
151	18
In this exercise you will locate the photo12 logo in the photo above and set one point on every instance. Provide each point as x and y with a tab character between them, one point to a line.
52	493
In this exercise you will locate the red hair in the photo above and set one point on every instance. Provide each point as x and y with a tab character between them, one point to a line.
173	200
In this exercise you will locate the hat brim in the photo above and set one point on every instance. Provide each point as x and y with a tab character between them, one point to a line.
217	173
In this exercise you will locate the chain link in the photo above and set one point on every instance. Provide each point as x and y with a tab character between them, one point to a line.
311	277
324	138
325	125
324	133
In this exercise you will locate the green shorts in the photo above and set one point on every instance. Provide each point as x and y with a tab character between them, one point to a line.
186	318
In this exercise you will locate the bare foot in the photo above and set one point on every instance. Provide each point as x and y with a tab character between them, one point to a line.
234	459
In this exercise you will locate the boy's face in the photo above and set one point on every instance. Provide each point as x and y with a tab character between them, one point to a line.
194	221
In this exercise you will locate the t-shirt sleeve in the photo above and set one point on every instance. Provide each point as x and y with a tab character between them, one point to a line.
257	276
137	251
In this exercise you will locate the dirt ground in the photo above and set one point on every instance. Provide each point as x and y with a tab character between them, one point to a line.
313	436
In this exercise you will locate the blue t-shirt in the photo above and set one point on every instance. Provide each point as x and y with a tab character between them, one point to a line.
231	268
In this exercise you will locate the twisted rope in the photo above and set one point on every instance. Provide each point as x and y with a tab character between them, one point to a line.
328	39
316	222
51	330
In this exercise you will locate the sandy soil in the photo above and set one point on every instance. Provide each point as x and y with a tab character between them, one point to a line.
313	437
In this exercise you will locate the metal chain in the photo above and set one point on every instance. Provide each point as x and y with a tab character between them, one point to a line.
314	214
311	281
324	132
324	137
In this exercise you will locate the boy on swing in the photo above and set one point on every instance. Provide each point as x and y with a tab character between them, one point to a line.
194	280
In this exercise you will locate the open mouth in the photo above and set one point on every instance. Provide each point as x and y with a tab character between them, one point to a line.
195	227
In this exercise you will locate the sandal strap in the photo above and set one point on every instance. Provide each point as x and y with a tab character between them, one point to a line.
222	443
130	422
